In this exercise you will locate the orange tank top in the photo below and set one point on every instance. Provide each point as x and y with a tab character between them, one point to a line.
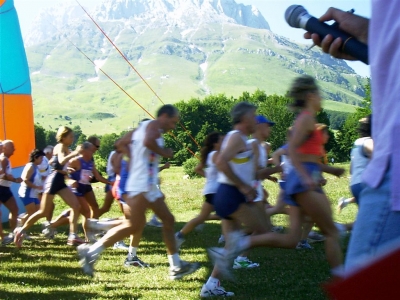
313	144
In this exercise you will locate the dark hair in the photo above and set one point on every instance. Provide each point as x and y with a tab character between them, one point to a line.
299	90
168	109
93	139
35	154
241	109
364	126
211	139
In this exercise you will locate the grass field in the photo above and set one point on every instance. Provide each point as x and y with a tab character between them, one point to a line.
49	269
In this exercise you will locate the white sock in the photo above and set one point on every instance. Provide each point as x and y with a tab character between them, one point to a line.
174	261
241	258
132	251
348	200
244	243
212	283
96	249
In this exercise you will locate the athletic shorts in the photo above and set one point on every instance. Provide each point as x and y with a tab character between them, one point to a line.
108	187
28	200
294	184
82	189
227	200
151	195
5	194
209	198
54	183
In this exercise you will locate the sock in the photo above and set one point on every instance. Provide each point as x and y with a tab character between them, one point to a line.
180	235
244	243
212	283
348	200
132	251
241	258
96	249
174	261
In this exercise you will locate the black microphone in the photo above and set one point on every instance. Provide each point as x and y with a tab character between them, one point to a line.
298	17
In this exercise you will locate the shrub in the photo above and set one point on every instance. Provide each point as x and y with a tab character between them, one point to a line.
189	165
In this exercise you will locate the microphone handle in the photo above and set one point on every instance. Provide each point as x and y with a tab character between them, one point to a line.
349	44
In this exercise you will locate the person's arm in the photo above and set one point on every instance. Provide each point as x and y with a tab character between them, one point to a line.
8	177
98	176
116	162
124	143
62	157
368	147
26	175
199	169
150	141
303	127
332	170
234	144
167	165
276	156
354	25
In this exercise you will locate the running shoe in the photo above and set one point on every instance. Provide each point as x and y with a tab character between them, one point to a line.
314	237
155	223
19	236
216	291
179	239
74	240
121	245
303	245
85	260
341	204
186	268
277	229
244	264
134	261
8	239
221	239
220	259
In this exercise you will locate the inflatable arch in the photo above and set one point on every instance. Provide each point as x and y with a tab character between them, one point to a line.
16	111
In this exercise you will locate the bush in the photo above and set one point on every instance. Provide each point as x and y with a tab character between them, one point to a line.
189	165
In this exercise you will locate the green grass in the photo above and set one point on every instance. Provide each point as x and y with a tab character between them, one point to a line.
45	269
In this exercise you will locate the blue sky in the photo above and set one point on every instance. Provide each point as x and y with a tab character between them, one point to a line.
272	10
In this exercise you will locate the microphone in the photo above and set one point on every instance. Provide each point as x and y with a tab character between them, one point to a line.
297	16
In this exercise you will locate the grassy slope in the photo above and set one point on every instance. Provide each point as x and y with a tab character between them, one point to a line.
49	269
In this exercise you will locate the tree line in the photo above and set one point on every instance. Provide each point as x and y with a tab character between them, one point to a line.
200	117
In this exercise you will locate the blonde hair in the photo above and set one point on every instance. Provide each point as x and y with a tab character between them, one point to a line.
62	132
299	90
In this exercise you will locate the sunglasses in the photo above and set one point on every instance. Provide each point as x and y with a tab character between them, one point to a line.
97	146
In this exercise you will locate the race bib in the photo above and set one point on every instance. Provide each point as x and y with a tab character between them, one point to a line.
86	175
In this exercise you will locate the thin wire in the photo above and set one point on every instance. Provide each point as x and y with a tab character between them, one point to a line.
126	93
137	72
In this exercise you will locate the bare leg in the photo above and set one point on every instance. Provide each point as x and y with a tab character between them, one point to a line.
70	199
108	200
11	205
91	200
205	212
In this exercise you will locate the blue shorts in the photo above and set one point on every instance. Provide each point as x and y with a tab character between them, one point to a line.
227	200
108	187
294	184
356	190
27	200
83	189
5	194
209	198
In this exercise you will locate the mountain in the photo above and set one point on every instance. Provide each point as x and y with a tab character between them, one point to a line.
182	48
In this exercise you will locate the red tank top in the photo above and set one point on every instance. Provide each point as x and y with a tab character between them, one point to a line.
313	145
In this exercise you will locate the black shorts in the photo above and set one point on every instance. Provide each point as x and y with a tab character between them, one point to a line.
54	183
5	194
227	200
209	198
83	189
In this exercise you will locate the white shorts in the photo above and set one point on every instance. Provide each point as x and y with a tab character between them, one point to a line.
151	195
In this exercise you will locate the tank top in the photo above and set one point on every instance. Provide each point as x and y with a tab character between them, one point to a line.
124	173
143	170
242	164
211	173
313	144
85	173
26	192
109	169
7	171
359	160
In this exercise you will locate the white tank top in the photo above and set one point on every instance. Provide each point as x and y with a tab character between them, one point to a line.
143	175
24	191
242	164
211	173
7	171
358	161
110	169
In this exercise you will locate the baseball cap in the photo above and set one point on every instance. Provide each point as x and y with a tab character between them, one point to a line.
261	120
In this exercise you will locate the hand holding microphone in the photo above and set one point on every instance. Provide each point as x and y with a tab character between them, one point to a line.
346	40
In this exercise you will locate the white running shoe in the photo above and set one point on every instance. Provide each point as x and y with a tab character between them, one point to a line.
19	236
155	223
244	264
220	259
121	245
186	268
341	204
216	291
178	241
8	239
134	261
85	260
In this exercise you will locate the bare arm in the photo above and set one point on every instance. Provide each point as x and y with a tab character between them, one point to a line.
199	169
26	175
8	177
167	165
63	158
116	162
98	176
368	147
124	142
276	156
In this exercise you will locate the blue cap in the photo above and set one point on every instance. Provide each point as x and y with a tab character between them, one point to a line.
262	120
